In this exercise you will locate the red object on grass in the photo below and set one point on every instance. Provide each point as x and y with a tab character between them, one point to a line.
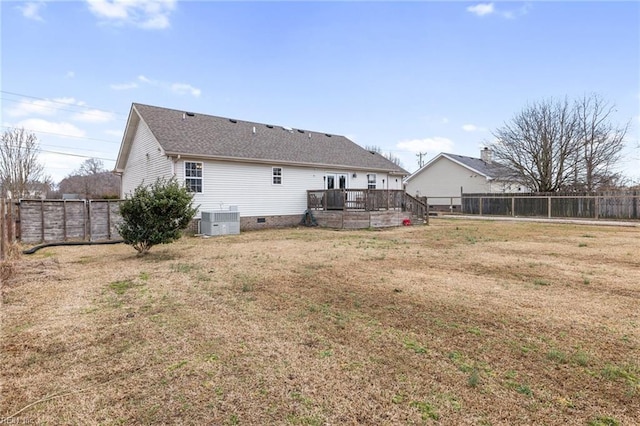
406	222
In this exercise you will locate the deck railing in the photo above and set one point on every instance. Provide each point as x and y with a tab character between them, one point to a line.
365	200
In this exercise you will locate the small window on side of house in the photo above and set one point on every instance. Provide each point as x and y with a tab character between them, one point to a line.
193	176
371	181
276	173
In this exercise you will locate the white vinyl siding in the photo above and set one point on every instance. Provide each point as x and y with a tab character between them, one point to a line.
145	163
444	178
250	187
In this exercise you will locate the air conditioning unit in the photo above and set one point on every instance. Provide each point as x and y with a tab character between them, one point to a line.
220	222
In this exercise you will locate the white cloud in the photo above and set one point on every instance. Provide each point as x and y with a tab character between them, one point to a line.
116	133
431	145
94	116
31	10
145	14
473	128
481	9
157	22
521	11
124	86
41	106
177	88
44	126
183	89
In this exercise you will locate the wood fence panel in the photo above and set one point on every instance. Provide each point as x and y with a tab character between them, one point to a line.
31	226
44	221
53	222
104	216
75	220
606	205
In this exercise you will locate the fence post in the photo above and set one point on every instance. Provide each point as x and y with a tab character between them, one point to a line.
480	199
513	206
42	220
89	232
596	206
549	207
11	222
64	219
108	220
3	225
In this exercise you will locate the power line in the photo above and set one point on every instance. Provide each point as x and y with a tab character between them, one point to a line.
76	155
61	103
63	135
63	153
87	113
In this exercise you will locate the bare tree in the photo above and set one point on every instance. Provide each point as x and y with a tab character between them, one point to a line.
21	174
554	145
91	180
91	166
388	155
601	143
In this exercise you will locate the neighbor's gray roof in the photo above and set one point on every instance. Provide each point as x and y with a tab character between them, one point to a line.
207	136
490	170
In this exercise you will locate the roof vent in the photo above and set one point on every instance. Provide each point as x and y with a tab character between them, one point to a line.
190	114
300	131
270	126
327	135
233	121
288	129
254	130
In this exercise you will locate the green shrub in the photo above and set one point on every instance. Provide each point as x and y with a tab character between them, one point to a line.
156	214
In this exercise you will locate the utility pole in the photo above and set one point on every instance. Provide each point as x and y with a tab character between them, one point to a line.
420	155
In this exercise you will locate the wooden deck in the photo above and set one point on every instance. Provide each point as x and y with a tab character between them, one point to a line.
365	208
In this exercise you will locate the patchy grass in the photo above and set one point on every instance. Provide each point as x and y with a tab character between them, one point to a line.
454	323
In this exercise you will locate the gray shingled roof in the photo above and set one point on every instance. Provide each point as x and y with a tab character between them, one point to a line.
491	170
207	136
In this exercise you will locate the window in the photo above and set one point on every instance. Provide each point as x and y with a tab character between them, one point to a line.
342	181
193	176
277	175
371	181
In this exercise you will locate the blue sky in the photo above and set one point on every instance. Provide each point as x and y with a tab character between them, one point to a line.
408	77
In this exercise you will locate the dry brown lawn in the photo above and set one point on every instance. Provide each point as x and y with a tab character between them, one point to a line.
458	322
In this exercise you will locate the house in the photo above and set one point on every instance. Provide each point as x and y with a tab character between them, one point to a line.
443	179
263	170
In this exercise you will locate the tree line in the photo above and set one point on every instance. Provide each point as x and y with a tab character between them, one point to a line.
22	175
558	145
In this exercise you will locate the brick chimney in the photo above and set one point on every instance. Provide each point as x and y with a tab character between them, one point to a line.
485	155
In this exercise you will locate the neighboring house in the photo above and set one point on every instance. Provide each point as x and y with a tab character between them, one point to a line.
443	179
264	170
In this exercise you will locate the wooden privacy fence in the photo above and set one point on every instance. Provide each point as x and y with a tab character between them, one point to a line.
40	221
8	211
622	205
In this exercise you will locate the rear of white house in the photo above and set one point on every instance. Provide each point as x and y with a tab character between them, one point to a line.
262	170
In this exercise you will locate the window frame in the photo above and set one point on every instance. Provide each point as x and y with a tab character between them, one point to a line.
277	179
371	184
194	183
